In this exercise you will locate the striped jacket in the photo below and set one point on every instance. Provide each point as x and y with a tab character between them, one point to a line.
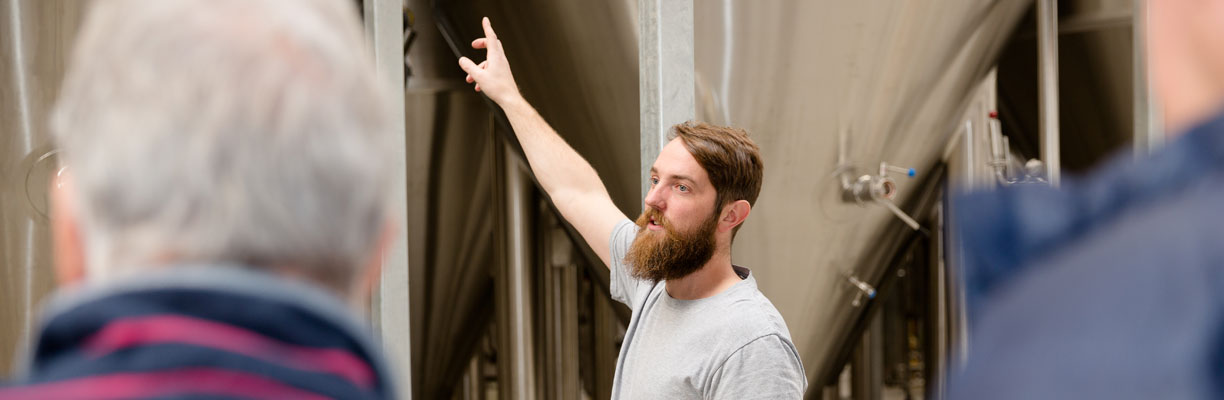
201	332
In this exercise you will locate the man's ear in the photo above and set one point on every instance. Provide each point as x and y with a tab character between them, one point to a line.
733	215
68	244
371	272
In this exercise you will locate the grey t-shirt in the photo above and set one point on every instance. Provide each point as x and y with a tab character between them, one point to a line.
733	345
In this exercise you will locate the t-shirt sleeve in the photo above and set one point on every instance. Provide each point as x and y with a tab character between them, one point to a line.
624	287
766	368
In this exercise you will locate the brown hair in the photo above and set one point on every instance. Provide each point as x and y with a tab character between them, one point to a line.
728	156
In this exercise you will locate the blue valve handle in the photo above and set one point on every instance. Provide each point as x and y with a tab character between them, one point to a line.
910	172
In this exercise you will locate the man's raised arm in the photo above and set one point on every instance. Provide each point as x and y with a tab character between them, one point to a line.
568	179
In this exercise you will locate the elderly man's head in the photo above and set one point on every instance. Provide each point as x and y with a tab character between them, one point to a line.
245	132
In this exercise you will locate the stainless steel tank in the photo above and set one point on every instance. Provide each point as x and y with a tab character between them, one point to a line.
892	78
35	37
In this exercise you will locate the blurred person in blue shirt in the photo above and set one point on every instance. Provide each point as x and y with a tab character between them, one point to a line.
1112	286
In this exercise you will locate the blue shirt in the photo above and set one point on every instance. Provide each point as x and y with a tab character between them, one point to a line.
1109	287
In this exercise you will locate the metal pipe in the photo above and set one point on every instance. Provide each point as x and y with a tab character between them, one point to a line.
571	360
473	385
939	307
1047	77
1148	134
608	335
867	368
516	357
666	76
384	21
561	314
843	148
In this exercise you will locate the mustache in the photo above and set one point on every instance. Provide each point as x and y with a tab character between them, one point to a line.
673	255
650	213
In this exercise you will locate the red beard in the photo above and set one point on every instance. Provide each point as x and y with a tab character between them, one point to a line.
669	254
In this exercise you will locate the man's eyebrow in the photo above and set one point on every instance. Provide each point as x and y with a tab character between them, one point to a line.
682	178
692	182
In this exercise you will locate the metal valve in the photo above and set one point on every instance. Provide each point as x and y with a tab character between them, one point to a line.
878	189
868	188
864	289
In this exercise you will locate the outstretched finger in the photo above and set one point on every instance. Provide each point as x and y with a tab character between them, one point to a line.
488	29
480	43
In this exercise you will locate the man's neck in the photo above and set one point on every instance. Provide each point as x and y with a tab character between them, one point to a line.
712	278
1190	89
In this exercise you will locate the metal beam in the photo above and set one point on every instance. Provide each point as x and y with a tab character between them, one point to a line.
1148	134
1047	92
384	21
666	76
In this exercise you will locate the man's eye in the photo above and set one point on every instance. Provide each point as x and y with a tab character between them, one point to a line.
682	188
654	181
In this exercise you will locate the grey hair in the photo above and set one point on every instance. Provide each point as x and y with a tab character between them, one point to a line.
227	131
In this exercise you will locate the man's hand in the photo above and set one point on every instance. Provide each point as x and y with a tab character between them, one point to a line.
572	185
492	76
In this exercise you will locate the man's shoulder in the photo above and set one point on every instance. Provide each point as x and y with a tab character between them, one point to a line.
748	315
756	337
1161	259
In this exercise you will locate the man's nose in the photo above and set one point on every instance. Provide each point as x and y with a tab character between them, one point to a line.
654	198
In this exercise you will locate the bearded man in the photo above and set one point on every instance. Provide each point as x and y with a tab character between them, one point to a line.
700	327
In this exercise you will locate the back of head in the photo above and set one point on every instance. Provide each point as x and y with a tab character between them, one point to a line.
226	131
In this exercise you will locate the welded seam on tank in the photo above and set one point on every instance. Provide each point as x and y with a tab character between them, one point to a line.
19	72
728	48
